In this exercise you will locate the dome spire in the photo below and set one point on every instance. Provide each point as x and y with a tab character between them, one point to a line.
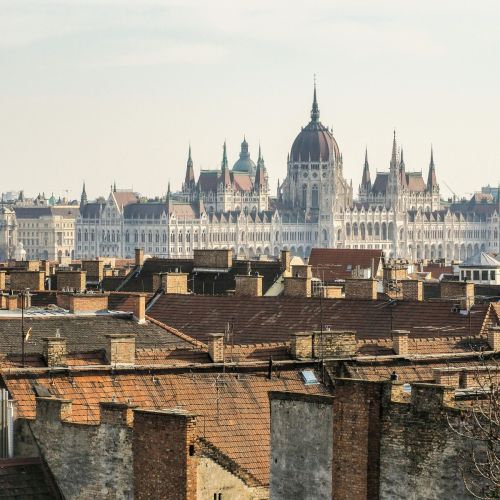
315	107
366	180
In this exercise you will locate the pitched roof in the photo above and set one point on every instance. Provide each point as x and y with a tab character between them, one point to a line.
381	181
329	264
232	409
274	319
144	210
124	198
37	212
415	182
482	259
83	333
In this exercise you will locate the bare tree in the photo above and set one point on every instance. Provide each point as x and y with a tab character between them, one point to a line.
479	425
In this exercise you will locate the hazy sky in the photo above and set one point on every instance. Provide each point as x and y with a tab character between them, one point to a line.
116	89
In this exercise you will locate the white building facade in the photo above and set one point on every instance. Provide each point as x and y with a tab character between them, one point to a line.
314	206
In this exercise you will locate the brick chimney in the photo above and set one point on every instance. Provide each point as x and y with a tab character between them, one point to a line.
165	460
413	290
3	274
286	258
139	257
301	345
54	351
120	349
71	280
139	307
248	286
53	410
400	342
114	413
494	338
11	301
331	291
460	291
83	302
216	347
356	288
174	283
298	285
334	343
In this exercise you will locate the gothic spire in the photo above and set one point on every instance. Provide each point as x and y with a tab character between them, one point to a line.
402	170
83	198
315	107
189	180
431	179
114	187
394	155
366	180
225	175
260	175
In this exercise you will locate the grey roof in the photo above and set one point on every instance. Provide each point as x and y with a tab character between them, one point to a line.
83	333
144	210
37	212
91	210
482	259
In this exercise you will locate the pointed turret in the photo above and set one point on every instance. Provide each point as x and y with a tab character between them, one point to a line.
114	187
260	175
83	197
315	107
366	182
225	177
402	170
431	179
189	181
394	155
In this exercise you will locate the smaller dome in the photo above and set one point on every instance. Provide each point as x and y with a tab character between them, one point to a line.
245	164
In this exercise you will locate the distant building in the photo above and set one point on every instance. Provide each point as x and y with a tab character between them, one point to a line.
482	268
400	212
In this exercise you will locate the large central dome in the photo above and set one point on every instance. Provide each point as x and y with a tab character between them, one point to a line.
315	142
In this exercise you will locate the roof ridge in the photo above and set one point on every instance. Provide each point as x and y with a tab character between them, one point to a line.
178	333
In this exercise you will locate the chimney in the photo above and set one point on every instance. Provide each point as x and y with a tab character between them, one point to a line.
248	286
120	349
139	257
216	347
114	413
331	291
356	288
334	343
174	283
71	280
83	302
2	279
400	342
494	338
413	290
301	345
54	351
286	258
139	305
11	302
460	291
53	410
299	284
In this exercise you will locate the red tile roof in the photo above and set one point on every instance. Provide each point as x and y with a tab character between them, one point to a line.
232	409
274	319
329	264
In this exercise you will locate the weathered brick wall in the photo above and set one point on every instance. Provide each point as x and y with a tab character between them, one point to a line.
87	461
297	287
356	440
286	258
301	345
3	276
71	280
34	280
28	265
94	269
302	271
412	290
420	455
213	259
174	283
248	286
165	462
54	351
334	343
216	347
361	289
301	446
120	349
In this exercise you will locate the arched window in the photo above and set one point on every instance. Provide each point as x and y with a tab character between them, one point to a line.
164	237
315	197
348	230
304	196
355	230
85	236
377	229
369	228
136	236
384	231
157	237
362	230
127	236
